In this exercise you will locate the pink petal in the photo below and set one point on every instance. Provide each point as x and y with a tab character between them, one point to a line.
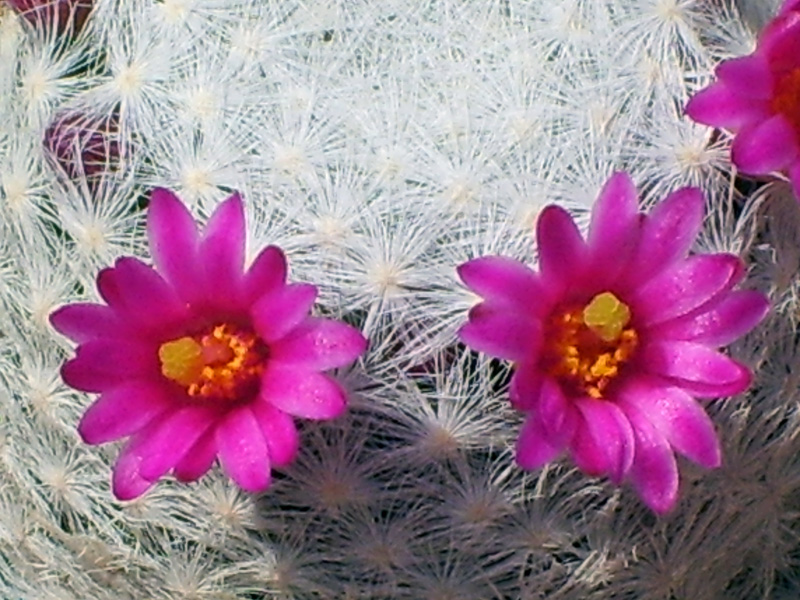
169	439
676	416
727	320
319	344
765	146
242	450
696	368
780	41
789	6
501	333
562	251
746	76
557	415
718	106
222	253
614	228
198	459
603	442
103	364
525	386
654	472
534	448
279	431
266	274
174	244
85	321
144	297
668	233
278	312
794	177
126	482
502	280
302	393
122	411
685	286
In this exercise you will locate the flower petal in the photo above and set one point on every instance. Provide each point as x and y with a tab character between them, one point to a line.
780	41
746	76
122	411
603	442
498	332
502	280
686	286
654	472
144	297
222	253
198	459
174	243
557	415
718	106
103	364
168	440
562	251
727	320
86	321
668	233
278	312
279	431
534	448
698	369
319	344
525	386
614	227
302	393
242	450
765	146
126	482
676	416
266	274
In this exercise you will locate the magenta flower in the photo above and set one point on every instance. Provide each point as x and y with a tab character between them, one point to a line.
195	359
64	15
615	338
758	97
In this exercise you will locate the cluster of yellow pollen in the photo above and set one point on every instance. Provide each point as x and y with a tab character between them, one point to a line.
786	99
586	346
219	364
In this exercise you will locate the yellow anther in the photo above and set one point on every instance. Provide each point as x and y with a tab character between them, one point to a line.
606	316
181	360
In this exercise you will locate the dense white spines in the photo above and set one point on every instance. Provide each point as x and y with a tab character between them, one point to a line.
380	144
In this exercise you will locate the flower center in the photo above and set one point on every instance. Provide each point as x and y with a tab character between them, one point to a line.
786	98
585	347
224	363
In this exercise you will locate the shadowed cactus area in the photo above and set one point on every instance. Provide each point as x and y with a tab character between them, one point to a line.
381	144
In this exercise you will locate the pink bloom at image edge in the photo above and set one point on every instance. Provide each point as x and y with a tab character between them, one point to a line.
614	338
757	97
198	359
66	15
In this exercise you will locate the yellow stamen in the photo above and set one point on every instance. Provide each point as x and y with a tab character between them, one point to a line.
223	363
586	346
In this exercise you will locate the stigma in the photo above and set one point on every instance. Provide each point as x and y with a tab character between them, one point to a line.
586	346
223	363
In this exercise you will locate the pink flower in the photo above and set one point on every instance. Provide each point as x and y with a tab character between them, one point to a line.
758	97
615	337
65	15
195	359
